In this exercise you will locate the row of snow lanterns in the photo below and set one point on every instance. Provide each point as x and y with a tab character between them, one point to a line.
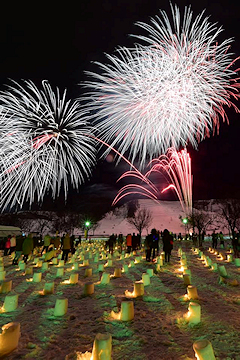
220	268
127	308
202	348
11	300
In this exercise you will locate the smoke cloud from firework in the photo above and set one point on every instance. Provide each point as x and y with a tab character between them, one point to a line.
169	92
45	144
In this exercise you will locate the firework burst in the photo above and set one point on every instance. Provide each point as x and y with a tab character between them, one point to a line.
45	144
167	93
176	167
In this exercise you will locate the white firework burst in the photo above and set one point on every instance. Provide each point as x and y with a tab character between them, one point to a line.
167	93
45	144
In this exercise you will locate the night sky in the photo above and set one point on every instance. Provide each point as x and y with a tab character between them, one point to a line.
59	43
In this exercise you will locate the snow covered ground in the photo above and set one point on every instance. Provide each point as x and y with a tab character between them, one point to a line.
158	330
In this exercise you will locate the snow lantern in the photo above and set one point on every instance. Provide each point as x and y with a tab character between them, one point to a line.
194	313
6	286
102	347
10	303
88	272
61	306
137	291
37	277
117	272
145	279
192	293
9	338
2	275
126	313
105	279
88	288
203	350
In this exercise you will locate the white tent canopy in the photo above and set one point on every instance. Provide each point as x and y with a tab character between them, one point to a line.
9	230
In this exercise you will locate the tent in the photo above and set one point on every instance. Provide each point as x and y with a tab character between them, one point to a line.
9	230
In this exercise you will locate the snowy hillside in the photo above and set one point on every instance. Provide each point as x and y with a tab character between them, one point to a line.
165	216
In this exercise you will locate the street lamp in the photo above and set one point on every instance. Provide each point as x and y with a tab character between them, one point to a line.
87	224
185	222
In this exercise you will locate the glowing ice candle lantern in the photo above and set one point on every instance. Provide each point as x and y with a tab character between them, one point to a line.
44	266
109	263
73	279
96	259
137	291
29	270
37	277
194	313
100	267
150	272
22	265
88	272
6	286
54	261
85	262
60	272
126	313
125	268
88	288
117	272
214	267
203	350
222	271
61	263
229	258
10	303
48	288
192	293
187	279
102	347
39	263
237	262
9	338
105	279
159	261
75	266
2	275
61	307
145	279
132	263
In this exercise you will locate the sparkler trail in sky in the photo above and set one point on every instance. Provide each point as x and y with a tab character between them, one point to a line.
176	166
169	92
44	144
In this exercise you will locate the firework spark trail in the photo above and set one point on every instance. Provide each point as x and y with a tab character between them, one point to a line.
44	144
176	166
167	93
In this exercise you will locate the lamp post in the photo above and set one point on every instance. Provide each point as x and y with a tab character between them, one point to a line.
185	222
87	224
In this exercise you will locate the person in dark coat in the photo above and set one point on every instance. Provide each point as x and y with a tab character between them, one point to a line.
214	239
18	250
154	244
167	244
148	246
66	247
111	243
27	247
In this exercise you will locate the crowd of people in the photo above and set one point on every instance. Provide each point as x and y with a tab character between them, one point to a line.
50	246
23	246
151	243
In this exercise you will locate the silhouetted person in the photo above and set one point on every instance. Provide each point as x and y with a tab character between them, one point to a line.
167	244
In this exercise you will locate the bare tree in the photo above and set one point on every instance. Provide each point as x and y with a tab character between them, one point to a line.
141	219
229	211
201	220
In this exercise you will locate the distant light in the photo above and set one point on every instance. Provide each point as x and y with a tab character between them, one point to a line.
87	223
185	220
